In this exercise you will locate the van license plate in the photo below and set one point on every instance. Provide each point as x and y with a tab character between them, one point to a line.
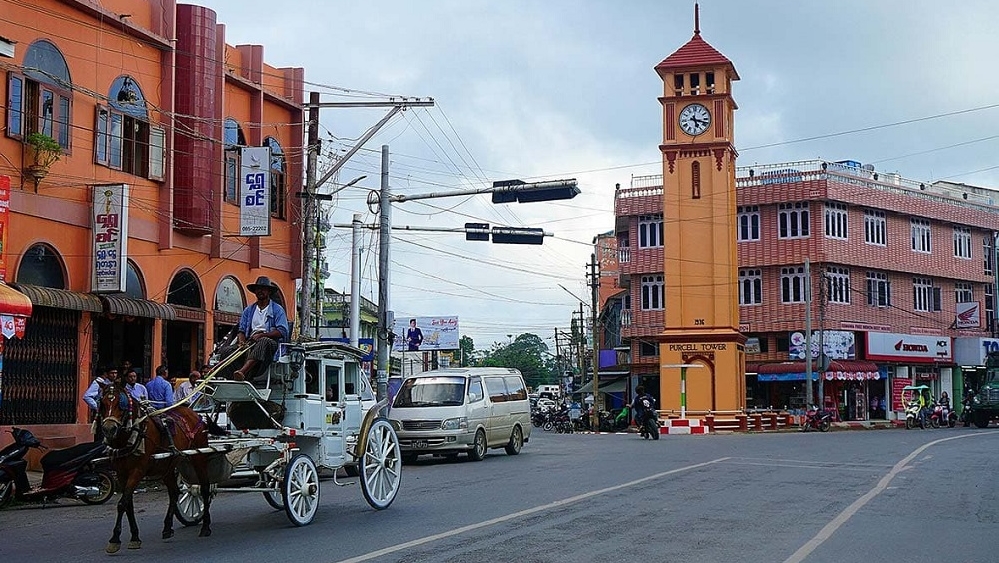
419	443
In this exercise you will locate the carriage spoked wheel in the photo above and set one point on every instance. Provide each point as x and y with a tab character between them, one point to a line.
189	507
300	490
275	499
380	465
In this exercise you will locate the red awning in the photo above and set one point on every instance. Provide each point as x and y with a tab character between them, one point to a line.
838	369
13	302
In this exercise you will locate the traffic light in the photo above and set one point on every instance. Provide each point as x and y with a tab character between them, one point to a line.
477	231
518	235
508	191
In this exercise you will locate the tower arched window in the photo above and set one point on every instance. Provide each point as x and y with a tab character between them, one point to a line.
125	138
232	136
695	180
277	178
40	99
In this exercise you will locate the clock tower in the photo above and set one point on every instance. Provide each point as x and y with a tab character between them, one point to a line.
699	223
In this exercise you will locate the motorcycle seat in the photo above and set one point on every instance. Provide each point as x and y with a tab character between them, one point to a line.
72	455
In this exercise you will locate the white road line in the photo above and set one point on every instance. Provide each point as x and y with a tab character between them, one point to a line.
522	513
829	529
805	466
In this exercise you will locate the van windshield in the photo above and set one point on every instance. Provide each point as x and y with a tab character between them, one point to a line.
431	392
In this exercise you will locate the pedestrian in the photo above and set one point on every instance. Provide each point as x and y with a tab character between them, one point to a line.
187	388
159	389
92	396
136	389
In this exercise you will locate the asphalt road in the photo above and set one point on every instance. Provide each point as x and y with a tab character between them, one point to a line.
878	495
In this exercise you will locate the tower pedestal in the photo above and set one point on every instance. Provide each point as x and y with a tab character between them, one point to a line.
719	384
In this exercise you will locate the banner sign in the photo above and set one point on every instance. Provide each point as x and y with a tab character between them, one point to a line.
897	384
110	238
255	192
838	344
892	347
426	333
4	223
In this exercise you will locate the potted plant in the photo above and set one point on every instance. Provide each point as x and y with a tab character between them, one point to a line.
43	151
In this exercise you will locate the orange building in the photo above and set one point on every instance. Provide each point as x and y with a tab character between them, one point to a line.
129	245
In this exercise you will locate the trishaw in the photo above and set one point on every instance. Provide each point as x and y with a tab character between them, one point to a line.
910	402
300	417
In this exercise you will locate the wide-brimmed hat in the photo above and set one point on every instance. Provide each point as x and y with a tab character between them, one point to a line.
262	281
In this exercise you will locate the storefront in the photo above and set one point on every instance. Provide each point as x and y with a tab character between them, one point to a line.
912	359
969	355
847	385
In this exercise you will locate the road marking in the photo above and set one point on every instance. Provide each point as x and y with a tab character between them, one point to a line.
829	529
522	513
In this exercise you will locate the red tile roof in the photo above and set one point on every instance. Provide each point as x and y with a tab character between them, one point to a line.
696	52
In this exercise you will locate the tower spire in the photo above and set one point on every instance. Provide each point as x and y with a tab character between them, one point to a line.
697	20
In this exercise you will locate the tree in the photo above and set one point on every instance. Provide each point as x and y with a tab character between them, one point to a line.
466	351
527	353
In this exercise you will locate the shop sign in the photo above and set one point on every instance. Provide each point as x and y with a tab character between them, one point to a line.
868	327
916	348
255	192
753	345
897	384
229	296
968	315
972	351
838	345
110	237
4	223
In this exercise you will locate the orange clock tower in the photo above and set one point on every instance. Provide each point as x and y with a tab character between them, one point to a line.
701	343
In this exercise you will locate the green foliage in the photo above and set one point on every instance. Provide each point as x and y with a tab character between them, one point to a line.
466	351
527	353
46	149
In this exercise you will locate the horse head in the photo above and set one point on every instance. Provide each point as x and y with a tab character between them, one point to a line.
118	412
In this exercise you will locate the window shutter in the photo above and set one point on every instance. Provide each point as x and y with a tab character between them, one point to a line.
116	140
937	304
157	153
101	135
15	105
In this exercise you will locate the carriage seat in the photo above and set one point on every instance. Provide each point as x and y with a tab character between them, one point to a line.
236	391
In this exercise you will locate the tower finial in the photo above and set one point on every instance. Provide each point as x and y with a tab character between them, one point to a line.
697	20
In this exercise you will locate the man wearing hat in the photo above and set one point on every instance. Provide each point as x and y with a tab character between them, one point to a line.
264	324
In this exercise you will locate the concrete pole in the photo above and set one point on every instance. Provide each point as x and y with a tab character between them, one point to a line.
808	336
308	215
598	401
384	239
355	281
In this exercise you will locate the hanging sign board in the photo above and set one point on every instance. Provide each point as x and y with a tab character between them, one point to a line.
255	192
110	237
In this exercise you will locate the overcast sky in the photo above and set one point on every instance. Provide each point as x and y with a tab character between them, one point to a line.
556	89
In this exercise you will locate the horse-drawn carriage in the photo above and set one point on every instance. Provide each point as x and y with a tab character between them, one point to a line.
303	415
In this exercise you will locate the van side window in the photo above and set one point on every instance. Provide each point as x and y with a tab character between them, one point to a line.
496	388
475	390
516	391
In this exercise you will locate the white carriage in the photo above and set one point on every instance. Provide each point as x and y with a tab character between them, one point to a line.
304	416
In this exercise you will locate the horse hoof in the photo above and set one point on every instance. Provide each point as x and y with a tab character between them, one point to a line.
134	544
112	548
205	533
167	534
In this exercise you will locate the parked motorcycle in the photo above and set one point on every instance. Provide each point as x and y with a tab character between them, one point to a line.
816	419
912	415
943	416
72	472
614	421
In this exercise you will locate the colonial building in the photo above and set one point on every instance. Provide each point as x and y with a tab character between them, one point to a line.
131	240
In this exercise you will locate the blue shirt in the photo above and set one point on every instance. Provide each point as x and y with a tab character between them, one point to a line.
276	319
160	392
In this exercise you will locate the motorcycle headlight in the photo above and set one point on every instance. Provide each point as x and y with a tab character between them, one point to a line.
976	400
460	423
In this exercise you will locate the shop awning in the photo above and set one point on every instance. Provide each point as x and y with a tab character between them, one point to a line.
42	296
613	386
131	307
845	370
13	302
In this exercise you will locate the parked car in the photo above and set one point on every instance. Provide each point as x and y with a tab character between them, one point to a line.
461	410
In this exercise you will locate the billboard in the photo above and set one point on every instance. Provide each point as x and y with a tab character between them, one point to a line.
255	191
426	333
838	344
109	237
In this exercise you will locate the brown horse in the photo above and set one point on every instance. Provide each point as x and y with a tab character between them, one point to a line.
134	437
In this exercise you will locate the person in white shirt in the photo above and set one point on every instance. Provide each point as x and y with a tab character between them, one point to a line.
187	388
93	393
134	388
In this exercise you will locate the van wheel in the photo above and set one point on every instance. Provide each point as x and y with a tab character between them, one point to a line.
478	451
516	441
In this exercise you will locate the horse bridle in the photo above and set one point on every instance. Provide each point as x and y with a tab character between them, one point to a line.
128	406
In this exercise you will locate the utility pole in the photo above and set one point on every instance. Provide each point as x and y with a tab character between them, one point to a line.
594	281
309	230
581	347
808	335
385	322
355	281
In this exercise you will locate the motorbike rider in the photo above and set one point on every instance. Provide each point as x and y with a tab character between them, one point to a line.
642	404
924	406
966	403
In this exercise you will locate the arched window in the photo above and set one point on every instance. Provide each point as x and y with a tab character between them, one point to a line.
42	266
185	289
695	180
234	139
133	282
277	178
125	138
40	100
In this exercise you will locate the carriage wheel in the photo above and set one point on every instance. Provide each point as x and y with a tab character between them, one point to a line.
381	465
301	490
275	499
189	507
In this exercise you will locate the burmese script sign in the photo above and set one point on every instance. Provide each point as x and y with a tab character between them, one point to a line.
110	237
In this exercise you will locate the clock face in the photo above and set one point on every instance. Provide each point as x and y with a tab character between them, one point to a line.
695	119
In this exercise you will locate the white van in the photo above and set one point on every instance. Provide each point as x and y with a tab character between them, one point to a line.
449	411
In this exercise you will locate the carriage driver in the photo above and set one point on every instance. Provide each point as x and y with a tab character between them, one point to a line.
264	324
